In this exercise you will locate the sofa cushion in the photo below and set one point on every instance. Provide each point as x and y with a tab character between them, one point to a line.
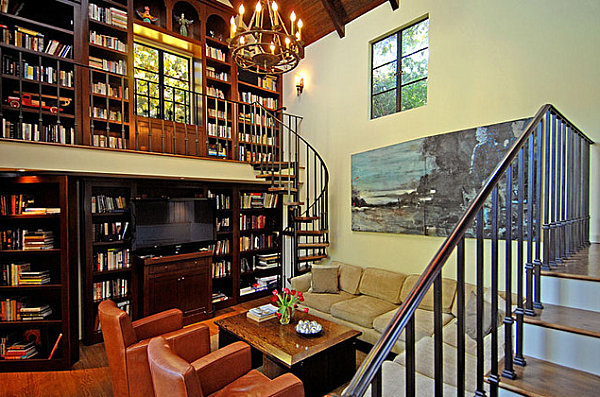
350	276
361	310
382	284
302	283
323	302
471	315
325	279
448	292
423	323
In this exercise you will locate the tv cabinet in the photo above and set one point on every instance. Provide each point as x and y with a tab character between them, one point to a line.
178	281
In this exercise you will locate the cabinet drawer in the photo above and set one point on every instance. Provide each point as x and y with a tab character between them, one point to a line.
175	266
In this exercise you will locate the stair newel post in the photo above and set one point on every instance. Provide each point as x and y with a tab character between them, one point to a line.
519	359
549	128
460	320
437	335
410	358
493	377
569	196
537	232
480	391
530	240
508	371
582	195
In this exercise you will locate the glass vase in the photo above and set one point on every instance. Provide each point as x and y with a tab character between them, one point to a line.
286	316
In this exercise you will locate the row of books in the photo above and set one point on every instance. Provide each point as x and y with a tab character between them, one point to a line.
31	313
221	269
256	119
219	297
267	82
252	289
249	222
112	259
254	156
249	97
110	16
23	239
15	274
18	351
222	200
257	242
258	200
102	203
223	224
259	139
267	261
109	90
212	72
118	67
222	247
15	204
110	289
43	73
213	91
220	131
106	114
215	53
55	133
110	231
17	309
217	113
107	41
113	142
217	149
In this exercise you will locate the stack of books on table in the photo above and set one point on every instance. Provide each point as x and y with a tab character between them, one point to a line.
262	313
34	278
38	240
31	313
268	261
20	351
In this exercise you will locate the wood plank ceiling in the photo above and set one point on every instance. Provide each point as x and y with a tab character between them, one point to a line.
321	17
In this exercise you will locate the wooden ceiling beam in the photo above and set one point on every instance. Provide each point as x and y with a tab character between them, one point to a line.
335	16
394	4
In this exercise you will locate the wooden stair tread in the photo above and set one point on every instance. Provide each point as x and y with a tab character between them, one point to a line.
541	378
306	218
282	189
294	203
583	322
313	245
311	232
311	258
583	265
276	176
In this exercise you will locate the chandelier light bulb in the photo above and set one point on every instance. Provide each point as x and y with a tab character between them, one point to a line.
293	16
258	6
274	6
242	40
287	42
242	9
272	46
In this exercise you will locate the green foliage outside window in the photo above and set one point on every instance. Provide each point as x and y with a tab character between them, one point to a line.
389	93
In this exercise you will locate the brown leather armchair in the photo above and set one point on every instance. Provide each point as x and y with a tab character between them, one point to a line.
126	344
226	372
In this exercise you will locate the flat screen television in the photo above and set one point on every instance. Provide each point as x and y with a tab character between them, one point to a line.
172	223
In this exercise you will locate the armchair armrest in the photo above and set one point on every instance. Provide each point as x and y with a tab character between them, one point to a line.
191	342
286	385
302	283
220	368
158	324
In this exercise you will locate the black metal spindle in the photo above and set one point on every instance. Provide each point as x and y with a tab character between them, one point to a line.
493	378
554	192
537	261
39	80
530	219
508	371
410	358
519	359
162	133
197	140
460	318
558	188
550	125
377	385
174	136
123	121
480	391
437	336
563	191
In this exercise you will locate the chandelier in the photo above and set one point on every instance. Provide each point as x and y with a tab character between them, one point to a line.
265	46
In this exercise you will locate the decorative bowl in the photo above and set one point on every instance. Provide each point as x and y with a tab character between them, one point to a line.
308	328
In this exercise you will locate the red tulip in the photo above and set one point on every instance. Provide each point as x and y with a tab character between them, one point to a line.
293	292
286	290
295	305
278	315
301	298
275	292
305	310
300	294
274	299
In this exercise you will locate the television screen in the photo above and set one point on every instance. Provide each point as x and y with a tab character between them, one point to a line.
169	222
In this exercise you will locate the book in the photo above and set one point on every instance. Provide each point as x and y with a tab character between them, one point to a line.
262	313
55	345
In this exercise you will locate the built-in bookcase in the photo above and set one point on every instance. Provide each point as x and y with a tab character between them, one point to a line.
38	304
107	263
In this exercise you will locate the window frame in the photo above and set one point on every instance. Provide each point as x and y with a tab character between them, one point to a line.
398	61
162	86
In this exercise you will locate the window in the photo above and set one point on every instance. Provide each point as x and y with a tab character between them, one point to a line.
162	84
408	48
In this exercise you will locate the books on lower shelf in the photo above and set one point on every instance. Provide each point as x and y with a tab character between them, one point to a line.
259	200
262	313
222	200
102	204
221	269
110	231
252	289
15	274
267	261
124	305
112	259
110	289
20	351
35	72
118	67
110	42
38	240
267	281
219	297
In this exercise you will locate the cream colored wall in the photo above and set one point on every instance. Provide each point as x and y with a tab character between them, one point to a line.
491	61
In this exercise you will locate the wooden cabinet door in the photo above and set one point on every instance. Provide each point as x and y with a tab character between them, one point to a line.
163	293
193	292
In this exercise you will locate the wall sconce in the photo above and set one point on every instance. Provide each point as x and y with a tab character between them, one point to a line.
299	84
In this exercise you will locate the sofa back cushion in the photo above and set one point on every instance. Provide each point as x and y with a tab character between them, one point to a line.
382	284
350	276
325	279
448	293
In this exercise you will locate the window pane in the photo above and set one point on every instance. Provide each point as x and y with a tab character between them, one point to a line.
142	106
415	38
176	83
180	113
414	67
384	104
148	76
385	51
154	108
384	78
176	66
414	95
145	57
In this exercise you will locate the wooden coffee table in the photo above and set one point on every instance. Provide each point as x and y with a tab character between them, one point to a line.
322	362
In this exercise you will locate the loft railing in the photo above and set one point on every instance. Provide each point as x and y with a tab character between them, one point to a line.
539	196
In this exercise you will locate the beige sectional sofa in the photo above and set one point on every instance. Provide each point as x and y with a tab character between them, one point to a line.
365	299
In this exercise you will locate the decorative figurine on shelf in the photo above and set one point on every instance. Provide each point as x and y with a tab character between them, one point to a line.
183	24
146	16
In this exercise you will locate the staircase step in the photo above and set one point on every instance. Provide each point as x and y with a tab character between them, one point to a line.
311	232
272	165
541	378
306	218
583	265
563	318
294	203
311	258
282	189
275	176
312	245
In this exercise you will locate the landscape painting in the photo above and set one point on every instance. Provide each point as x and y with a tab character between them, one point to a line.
424	186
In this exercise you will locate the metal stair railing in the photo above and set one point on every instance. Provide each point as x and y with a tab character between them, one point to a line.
538	197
